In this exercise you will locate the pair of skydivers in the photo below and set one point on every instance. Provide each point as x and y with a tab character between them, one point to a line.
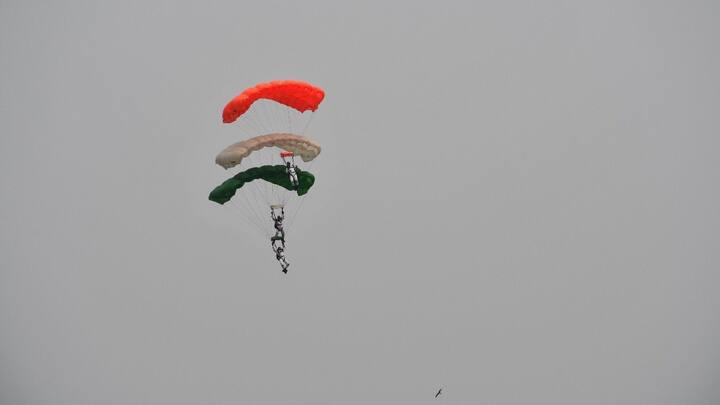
279	237
278	219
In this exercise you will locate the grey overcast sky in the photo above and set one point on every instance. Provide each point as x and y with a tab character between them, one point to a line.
516	200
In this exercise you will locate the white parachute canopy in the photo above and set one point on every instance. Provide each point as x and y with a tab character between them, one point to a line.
300	145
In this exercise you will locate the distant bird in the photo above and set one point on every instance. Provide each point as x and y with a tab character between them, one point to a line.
438	393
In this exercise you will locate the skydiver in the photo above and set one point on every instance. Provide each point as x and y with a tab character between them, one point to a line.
279	231
280	256
291	170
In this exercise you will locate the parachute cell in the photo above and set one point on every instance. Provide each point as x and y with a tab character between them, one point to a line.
295	94
302	146
275	174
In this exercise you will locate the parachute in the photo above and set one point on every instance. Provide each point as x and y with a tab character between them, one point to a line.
271	120
233	155
274	174
295	94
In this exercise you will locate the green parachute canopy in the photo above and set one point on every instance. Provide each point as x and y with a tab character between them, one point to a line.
275	174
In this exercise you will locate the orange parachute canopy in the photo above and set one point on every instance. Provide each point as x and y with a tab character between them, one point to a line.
292	93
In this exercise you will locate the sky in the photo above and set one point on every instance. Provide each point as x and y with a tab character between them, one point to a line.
516	201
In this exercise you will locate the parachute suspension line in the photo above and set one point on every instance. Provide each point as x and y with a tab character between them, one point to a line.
247	120
275	194
253	127
256	195
262	220
246	214
294	214
248	211
285	196
255	112
267	110
302	199
250	207
246	220
277	160
254	118
272	189
259	189
289	122
278	115
257	127
264	193
284	116
251	121
256	115
253	186
268	114
307	123
257	198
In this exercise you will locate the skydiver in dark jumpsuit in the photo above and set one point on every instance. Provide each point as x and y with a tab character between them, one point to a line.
280	256
279	231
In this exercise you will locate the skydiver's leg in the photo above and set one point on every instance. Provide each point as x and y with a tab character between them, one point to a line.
274	239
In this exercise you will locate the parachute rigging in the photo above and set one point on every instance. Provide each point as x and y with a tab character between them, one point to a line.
270	116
